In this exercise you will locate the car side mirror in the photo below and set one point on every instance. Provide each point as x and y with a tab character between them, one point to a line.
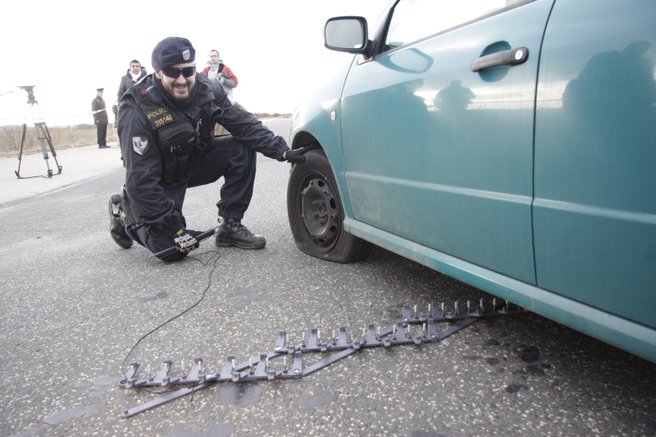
347	34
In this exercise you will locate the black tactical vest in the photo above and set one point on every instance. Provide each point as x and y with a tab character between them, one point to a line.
179	133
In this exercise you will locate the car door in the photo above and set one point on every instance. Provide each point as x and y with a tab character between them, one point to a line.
437	153
595	208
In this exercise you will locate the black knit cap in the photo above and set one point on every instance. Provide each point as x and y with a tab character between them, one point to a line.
172	50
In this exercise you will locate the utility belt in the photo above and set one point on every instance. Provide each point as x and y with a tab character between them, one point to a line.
177	142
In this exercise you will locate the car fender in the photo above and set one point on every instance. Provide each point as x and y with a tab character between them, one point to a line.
317	120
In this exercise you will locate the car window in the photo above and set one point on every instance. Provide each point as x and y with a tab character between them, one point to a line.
416	19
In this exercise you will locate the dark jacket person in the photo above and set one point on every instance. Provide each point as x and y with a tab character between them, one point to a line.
165	127
100	119
131	77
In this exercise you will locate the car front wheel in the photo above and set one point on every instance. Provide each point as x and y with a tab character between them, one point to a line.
316	215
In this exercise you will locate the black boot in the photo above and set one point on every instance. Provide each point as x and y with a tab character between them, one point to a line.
232	233
117	223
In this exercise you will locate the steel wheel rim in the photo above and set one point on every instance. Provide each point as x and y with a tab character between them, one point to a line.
320	211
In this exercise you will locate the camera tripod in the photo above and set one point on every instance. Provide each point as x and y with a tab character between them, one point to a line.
42	134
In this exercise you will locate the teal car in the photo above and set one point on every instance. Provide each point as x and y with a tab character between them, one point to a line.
510	145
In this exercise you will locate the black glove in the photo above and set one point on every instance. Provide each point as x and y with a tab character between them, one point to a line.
294	156
184	242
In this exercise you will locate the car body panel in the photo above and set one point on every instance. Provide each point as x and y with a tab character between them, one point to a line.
595	154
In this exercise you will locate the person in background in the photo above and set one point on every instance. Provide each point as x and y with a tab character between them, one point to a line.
217	70
134	73
132	76
100	119
165	127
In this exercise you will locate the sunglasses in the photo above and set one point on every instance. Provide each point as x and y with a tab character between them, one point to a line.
175	73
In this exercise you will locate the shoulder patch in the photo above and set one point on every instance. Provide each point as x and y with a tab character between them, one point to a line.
140	145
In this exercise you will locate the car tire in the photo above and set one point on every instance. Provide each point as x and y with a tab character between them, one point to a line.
316	214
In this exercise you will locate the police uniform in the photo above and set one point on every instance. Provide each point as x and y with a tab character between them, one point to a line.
100	119
169	147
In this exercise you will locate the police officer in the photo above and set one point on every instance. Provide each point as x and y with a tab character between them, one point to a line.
100	119
165	127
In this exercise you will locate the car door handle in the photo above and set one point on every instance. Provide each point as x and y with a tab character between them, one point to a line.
515	56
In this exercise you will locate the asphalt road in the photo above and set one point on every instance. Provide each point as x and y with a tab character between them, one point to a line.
74	305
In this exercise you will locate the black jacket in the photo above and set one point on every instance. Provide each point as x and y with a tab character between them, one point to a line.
154	200
127	82
99	111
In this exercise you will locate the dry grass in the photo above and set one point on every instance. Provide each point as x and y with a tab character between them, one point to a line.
62	138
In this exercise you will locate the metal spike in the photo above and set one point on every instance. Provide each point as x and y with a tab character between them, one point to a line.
342	340
194	373
400	331
434	312
280	341
372	337
297	365
228	368
313	343
260	371
431	331
162	378
130	375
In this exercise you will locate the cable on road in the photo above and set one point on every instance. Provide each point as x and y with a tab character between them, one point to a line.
212	260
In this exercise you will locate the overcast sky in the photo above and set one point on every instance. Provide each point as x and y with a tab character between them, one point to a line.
70	48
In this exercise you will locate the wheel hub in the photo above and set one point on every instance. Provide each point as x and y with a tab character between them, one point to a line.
320	212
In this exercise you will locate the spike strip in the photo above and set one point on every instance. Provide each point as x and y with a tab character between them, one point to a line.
257	368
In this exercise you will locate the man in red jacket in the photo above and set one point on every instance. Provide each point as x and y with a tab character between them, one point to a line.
217	70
